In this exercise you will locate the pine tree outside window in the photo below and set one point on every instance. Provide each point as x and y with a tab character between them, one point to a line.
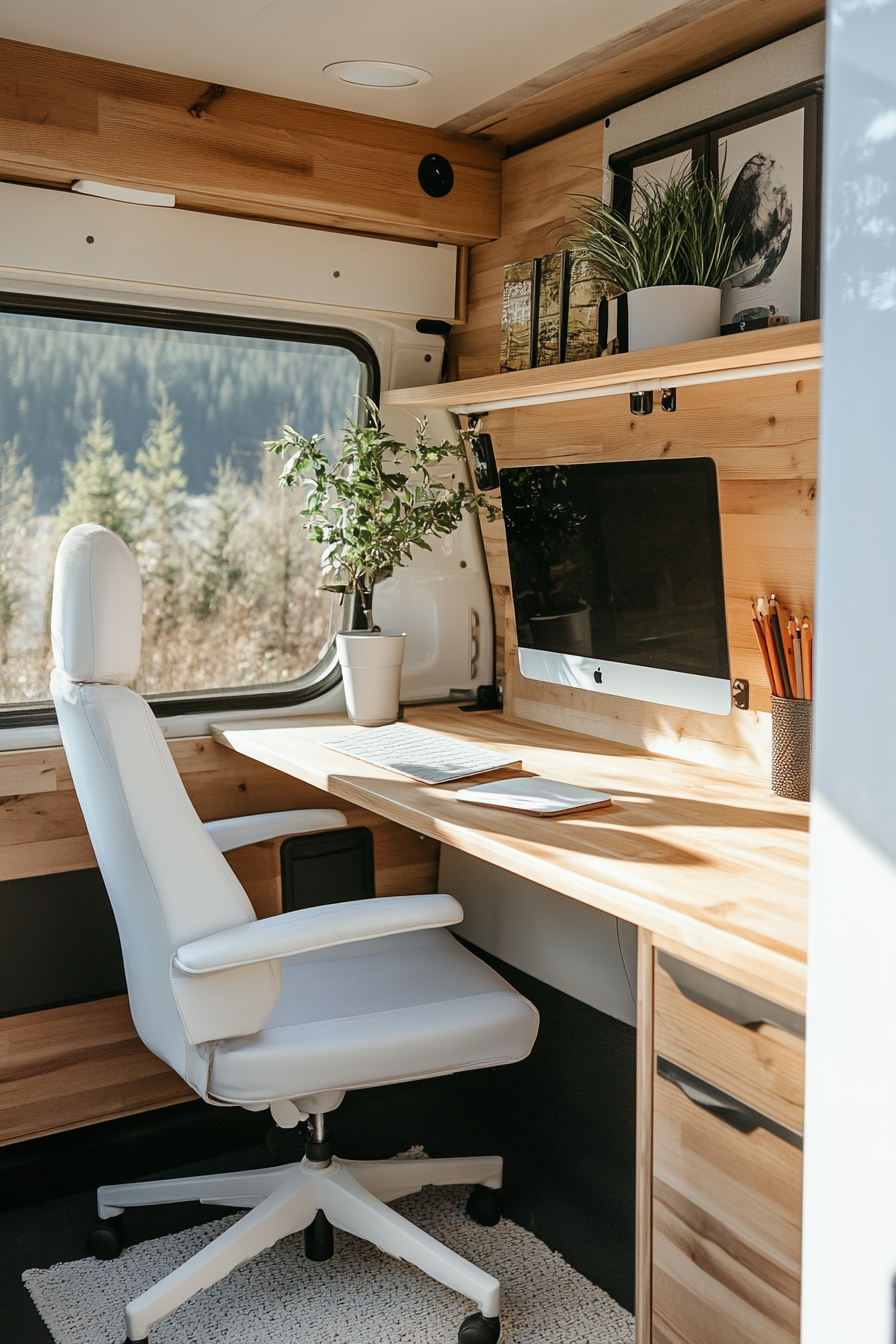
154	427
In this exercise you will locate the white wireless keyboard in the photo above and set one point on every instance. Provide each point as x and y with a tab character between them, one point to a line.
420	755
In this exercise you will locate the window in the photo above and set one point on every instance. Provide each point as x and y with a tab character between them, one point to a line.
153	423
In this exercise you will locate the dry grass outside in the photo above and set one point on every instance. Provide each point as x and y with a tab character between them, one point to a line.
231	584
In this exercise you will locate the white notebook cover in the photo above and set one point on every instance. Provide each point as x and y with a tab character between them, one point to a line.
543	797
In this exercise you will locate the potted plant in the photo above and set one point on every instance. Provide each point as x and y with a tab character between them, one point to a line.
369	508
670	256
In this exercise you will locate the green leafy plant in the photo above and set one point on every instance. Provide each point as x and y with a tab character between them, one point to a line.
375	502
678	233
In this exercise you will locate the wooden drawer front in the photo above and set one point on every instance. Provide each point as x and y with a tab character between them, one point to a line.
762	1066
726	1229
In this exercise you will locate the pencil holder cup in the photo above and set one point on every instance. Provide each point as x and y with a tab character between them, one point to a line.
791	747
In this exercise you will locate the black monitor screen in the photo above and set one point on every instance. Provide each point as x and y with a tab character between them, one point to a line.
619	561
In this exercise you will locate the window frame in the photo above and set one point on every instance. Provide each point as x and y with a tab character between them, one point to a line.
325	675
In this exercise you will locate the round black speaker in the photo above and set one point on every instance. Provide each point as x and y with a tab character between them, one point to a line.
435	175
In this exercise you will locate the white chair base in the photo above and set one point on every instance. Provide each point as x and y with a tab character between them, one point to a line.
354	1197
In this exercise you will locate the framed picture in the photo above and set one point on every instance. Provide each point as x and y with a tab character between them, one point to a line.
770	163
769	155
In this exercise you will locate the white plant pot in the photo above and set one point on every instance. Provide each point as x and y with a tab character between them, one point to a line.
671	314
371	673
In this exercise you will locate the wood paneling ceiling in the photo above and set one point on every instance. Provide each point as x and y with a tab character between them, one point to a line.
516	72
474	51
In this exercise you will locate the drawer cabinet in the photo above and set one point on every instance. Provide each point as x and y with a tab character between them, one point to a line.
762	1065
727	1166
726	1228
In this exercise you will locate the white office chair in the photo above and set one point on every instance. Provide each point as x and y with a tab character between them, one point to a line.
287	1012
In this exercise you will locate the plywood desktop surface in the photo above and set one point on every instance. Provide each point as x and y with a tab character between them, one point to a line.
710	860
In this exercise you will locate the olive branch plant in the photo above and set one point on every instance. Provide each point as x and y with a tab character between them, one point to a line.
376	501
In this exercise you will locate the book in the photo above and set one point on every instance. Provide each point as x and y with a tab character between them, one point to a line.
516	315
550	320
585	292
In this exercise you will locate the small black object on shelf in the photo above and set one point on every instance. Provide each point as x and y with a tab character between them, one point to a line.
485	469
435	175
487	697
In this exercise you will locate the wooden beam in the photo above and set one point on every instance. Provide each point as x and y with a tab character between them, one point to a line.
669	49
64	116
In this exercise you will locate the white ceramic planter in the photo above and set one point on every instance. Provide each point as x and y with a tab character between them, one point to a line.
371	673
671	314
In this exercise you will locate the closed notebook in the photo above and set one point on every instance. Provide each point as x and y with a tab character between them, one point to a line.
538	797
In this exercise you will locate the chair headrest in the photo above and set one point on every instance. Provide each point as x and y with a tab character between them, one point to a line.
97	612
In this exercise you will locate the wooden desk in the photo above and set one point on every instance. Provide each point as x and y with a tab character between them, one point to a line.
706	861
709	865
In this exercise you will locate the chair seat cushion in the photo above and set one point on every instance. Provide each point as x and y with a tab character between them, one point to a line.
415	1005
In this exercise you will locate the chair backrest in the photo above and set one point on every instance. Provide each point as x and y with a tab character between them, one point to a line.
166	879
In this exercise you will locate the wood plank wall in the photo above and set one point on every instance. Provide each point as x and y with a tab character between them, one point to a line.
761	432
64	116
72	1066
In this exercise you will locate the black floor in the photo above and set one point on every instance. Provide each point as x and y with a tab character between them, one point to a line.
564	1121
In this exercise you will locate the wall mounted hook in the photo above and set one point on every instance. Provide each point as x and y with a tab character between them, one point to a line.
211	95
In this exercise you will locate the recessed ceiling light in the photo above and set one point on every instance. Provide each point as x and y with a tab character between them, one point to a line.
378	74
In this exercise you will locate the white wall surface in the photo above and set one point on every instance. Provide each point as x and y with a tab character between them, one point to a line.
780	65
849	1255
45	232
195	262
586	953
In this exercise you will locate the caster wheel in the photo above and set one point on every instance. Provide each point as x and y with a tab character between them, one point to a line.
319	1238
104	1238
479	1329
484	1206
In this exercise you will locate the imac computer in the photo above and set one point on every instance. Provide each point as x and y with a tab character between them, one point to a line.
616	572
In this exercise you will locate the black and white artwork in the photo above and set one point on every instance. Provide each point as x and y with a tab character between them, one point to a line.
763	167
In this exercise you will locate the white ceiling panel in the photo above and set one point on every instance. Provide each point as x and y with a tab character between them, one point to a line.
474	49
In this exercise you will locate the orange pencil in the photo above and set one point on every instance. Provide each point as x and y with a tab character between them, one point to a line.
798	659
778	636
806	641
777	680
787	641
763	649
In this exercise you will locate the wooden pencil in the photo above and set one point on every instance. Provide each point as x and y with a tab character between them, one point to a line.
787	640
763	649
798	659
777	683
806	643
779	646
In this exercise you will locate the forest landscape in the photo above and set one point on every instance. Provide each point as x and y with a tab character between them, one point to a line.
158	434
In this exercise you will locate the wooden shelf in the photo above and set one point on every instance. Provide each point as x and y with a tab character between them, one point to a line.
748	354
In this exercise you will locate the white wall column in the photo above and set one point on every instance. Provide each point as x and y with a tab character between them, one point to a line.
849	1239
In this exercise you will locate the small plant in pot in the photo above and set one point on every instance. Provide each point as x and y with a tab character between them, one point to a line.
670	256
368	509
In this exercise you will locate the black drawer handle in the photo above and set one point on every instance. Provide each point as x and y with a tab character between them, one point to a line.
729	1000
724	1107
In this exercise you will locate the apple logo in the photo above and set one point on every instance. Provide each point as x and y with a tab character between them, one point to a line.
598	677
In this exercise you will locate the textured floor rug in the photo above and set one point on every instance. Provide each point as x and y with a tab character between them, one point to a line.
361	1296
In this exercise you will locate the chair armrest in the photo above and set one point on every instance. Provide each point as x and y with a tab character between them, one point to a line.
310	930
232	832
